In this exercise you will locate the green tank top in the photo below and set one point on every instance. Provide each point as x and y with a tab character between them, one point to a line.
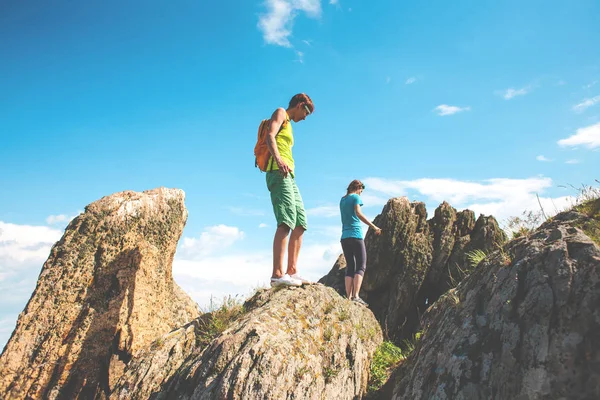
285	142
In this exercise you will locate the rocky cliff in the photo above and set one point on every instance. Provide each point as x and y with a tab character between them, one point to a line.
524	325
105	292
296	343
106	319
414	260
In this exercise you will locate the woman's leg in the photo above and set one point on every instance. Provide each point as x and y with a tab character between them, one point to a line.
350	266
360	252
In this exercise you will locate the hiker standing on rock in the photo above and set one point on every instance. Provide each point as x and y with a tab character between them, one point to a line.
285	196
353	244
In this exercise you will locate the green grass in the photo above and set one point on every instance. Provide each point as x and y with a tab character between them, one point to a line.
588	203
330	372
218	319
344	314
591	227
475	257
386	358
328	334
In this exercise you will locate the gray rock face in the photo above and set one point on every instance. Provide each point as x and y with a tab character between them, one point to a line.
415	261
293	343
105	292
524	325
335	278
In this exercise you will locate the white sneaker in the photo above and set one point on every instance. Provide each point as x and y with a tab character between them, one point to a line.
360	301
285	280
301	279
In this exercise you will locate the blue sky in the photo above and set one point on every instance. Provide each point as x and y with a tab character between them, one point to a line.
482	104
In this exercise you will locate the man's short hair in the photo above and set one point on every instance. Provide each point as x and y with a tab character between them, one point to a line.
302	98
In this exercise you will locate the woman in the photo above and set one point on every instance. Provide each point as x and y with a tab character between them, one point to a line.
353	244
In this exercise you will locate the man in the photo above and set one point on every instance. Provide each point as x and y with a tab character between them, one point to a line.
285	196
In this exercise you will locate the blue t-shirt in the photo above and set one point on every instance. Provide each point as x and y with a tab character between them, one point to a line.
351	227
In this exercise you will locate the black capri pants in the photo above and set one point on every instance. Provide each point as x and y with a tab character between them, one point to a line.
356	256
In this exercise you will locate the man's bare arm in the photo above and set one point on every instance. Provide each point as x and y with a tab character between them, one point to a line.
277	119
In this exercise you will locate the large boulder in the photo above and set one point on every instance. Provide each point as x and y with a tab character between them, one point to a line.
105	292
523	325
291	343
415	260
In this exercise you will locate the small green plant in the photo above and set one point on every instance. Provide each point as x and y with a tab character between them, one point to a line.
475	257
587	202
329	373
525	224
386	358
418	336
300	372
328	307
214	322
158	343
453	296
328	334
504	255
344	314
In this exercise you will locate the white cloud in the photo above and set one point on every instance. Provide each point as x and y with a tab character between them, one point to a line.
306	42
334	2
501	197
371	200
514	206
300	56
21	243
23	250
59	219
213	239
324	211
509	93
276	25
263	225
543	158
589	85
230	274
588	136
460	192
572	161
410	80
7	325
585	104
54	219
444	109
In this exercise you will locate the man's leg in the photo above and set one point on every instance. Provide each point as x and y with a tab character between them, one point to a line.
294	250
279	244
299	215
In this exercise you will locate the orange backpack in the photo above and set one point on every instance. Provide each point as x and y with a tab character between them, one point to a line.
261	149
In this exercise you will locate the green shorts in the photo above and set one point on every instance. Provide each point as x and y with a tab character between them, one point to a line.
287	202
